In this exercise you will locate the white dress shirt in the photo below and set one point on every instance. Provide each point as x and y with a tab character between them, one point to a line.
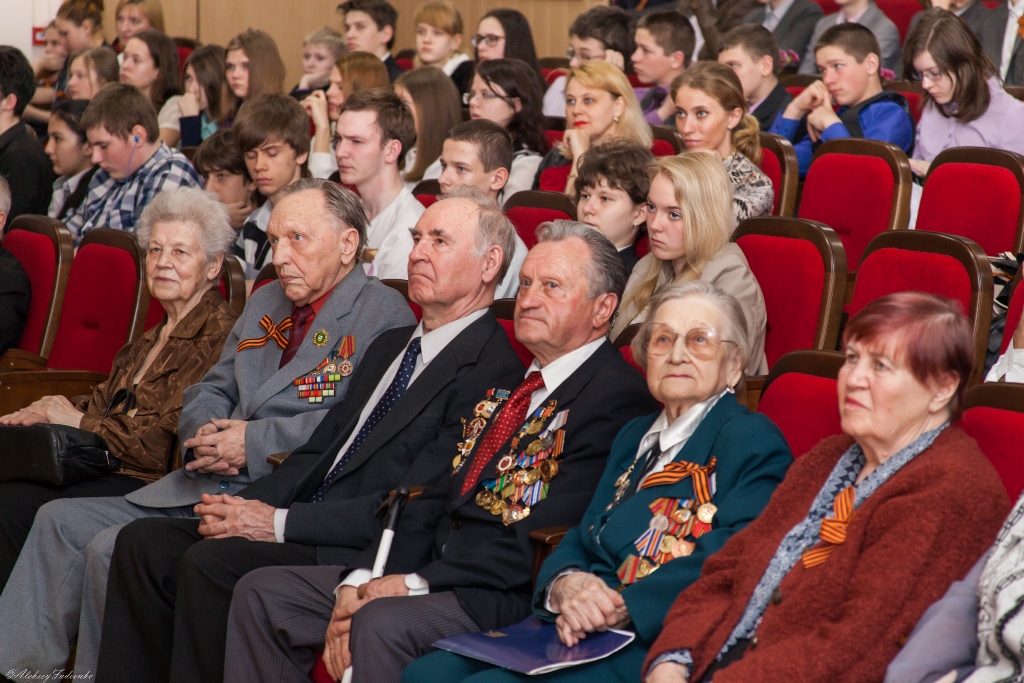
1010	35
389	235
772	17
431	344
1009	367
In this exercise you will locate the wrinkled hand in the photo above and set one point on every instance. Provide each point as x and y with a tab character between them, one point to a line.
669	672
586	604
315	105
52	409
920	167
577	142
337	657
389	586
189	105
220	450
819	120
229	516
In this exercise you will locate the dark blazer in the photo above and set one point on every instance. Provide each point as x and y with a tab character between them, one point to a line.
776	101
455	545
974	16
992	41
751	460
411	446
794	30
629	257
15	295
28	171
463	77
394	71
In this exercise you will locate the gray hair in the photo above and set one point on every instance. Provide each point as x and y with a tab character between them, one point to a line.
5	197
494	228
345	209
195	206
605	273
729	309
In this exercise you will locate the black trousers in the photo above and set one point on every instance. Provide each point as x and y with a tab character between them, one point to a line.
20	500
168	597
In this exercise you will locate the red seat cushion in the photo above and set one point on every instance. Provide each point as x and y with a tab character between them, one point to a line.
996	430
183	54
527	218
524	353
772	168
662	148
37	258
792	277
828	6
948	204
887	271
427	200
97	311
552	75
1013	315
916	102
554	179
635	82
319	673
852	194
405	64
900	12
804	407
795	90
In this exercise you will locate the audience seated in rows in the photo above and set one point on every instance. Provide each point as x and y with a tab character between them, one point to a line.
506	34
751	51
203	102
618	568
15	288
253	67
848	58
321	50
80	25
506	92
439	42
186	237
863	13
689	221
250	405
134	16
89	70
221	165
150	63
135	165
711	115
434	102
860	538
665	43
46	67
370	27
23	164
612	186
71	157
791	23
600	107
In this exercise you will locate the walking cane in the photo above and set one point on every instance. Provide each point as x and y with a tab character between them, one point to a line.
394	510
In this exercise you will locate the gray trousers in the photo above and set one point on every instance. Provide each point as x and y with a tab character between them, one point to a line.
279	617
59	584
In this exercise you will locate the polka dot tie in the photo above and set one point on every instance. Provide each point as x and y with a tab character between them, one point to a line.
384	405
511	417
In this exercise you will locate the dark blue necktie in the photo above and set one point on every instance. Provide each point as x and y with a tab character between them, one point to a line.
383	407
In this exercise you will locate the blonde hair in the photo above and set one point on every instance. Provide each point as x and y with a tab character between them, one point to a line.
151	9
443	16
704	196
604	76
329	38
722	83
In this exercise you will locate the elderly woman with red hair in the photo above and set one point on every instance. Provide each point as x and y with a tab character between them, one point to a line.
865	532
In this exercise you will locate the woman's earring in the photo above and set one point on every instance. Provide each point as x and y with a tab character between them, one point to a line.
731	390
616	119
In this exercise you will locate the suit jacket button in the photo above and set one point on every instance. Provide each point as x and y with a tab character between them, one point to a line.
223	486
456	524
776	596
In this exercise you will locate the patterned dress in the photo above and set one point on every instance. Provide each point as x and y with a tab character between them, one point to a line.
752	191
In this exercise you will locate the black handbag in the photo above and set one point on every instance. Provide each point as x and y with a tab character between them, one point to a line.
56	454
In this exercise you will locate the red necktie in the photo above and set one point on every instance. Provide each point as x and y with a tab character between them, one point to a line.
510	418
300	321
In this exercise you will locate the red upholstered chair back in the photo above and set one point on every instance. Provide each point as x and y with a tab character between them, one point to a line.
945	265
779	163
900	12
627	354
530	208
402	287
666	138
266	275
427	192
661	148
510	329
801	268
104	304
554	135
1013	312
949	201
634	81
405	64
859	188
554	179
828	6
800	397
44	248
994	418
643	246
795	90
427	200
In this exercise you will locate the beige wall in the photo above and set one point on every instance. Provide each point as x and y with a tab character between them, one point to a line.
288	21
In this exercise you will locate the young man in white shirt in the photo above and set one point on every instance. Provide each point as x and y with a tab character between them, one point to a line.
369	26
375	130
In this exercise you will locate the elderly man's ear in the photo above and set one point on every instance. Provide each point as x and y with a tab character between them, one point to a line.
349	244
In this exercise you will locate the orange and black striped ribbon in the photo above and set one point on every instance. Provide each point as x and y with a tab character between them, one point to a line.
275	332
1020	26
833	529
677	471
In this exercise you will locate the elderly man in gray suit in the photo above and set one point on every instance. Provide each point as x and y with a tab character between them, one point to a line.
285	363
865	13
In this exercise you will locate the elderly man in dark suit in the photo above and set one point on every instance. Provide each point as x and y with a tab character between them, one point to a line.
462	556
170	593
791	21
250	405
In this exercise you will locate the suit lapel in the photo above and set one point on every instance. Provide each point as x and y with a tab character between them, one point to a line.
270	356
698	448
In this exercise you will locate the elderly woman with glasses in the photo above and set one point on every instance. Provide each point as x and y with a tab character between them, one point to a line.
678	484
868	529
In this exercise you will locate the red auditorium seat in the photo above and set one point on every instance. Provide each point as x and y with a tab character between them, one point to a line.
44	248
231	286
504	310
779	163
994	417
427	191
266	275
900	12
957	178
1013	311
859	188
405	64
667	141
402	287
945	265
634	81
643	246
828	6
913	92
530	208
801	267
800	397
623	344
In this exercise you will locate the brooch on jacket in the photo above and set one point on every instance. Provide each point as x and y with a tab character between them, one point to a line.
524	477
320	381
472	430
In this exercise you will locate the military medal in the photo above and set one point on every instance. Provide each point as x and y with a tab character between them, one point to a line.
320	338
706	512
321	382
472	430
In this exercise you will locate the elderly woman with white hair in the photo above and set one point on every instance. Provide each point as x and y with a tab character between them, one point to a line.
677	485
185	235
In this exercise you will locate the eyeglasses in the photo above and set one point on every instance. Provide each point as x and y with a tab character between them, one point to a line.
702	342
571	53
490	39
933	75
485	95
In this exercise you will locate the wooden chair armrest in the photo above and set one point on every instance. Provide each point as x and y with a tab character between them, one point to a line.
16	359
551	535
755	385
19	388
276	459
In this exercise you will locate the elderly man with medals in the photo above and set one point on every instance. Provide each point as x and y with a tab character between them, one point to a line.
677	485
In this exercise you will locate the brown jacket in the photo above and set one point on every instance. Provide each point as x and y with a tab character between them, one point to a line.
143	441
844	620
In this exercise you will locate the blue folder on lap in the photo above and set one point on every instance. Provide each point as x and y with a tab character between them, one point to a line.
532	647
